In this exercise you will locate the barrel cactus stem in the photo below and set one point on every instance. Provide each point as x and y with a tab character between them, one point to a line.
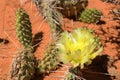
90	15
70	8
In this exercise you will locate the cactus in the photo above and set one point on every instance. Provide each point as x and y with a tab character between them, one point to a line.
47	9
116	13
116	2
79	47
73	74
49	61
109	1
23	30
23	67
70	8
90	16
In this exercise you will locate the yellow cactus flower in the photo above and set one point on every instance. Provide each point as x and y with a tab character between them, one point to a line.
79	47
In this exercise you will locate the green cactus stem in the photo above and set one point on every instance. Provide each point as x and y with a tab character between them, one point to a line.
48	11
90	16
23	67
73	74
49	61
23	28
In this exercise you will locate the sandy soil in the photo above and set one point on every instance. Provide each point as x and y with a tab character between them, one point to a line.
108	30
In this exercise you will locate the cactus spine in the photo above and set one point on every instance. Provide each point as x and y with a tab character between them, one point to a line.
50	60
23	28
48	11
116	2
73	74
70	8
90	16
23	67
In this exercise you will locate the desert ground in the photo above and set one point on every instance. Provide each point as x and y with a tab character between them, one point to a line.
108	30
